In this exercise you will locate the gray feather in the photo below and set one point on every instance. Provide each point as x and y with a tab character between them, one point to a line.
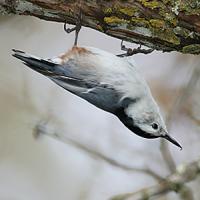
101	95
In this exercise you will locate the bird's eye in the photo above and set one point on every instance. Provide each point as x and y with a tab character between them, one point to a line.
154	126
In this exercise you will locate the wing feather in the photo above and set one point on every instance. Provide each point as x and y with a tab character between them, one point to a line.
101	95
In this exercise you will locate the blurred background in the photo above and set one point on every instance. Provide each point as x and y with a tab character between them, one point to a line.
86	153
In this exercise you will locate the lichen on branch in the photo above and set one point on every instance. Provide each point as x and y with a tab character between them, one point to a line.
163	25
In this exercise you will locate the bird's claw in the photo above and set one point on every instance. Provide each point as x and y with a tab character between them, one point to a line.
77	28
130	52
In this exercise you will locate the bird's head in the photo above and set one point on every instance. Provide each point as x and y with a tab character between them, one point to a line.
144	119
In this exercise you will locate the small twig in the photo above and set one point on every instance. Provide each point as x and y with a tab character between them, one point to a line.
194	77
130	52
152	173
167	156
41	128
177	103
175	182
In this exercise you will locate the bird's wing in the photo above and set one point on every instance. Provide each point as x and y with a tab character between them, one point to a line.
101	95
90	75
84	82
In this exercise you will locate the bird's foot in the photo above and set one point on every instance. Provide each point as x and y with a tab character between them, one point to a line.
77	28
130	52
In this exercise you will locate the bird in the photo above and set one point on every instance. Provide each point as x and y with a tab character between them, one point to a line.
111	83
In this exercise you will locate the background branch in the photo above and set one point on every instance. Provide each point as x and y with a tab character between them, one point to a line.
161	25
41	129
185	192
175	182
180	99
184	173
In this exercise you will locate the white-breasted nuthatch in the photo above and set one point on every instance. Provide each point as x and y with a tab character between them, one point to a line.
108	82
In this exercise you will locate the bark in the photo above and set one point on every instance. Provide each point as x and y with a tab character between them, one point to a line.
163	25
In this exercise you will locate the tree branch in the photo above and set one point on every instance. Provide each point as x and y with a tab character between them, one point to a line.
167	156
41	129
161	25
180	99
181	175
175	182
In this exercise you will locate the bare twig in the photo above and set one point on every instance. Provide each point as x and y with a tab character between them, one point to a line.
181	175
41	128
177	104
175	182
167	156
185	192
186	91
189	89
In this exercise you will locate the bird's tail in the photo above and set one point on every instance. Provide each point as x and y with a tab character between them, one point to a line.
42	66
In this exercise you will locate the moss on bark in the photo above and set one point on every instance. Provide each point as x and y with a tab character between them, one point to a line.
163	25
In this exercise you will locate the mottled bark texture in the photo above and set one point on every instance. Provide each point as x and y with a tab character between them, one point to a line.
163	25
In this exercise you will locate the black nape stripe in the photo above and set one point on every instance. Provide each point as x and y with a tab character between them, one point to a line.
128	121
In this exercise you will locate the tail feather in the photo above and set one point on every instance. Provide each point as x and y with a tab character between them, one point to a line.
45	67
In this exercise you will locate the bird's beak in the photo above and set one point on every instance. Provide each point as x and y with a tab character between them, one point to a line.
172	140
